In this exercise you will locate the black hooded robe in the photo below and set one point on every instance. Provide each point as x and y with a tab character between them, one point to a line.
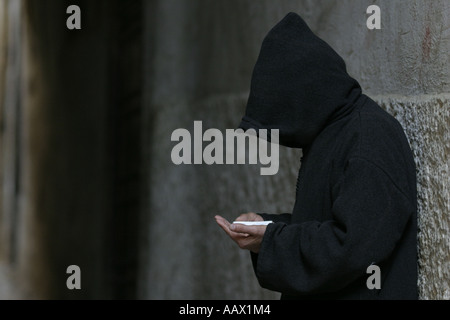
356	189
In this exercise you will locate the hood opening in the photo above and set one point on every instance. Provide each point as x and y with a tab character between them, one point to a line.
299	85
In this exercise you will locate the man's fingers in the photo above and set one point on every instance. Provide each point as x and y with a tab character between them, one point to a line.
244	217
221	220
226	226
251	216
247	237
252	230
232	228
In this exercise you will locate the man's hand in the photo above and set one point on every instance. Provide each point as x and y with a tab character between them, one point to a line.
247	237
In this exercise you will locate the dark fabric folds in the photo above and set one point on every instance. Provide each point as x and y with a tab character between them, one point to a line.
356	190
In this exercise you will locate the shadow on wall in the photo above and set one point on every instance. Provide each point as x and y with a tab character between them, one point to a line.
74	138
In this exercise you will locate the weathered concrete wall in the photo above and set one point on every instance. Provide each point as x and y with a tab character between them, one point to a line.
200	55
10	76
426	121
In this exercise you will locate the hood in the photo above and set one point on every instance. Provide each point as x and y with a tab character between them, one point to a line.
299	85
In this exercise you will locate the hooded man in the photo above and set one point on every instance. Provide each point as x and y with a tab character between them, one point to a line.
356	189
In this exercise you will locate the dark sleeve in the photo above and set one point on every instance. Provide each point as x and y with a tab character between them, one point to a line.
369	215
276	218
283	217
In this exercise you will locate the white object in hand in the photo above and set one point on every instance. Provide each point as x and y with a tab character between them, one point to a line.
254	223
